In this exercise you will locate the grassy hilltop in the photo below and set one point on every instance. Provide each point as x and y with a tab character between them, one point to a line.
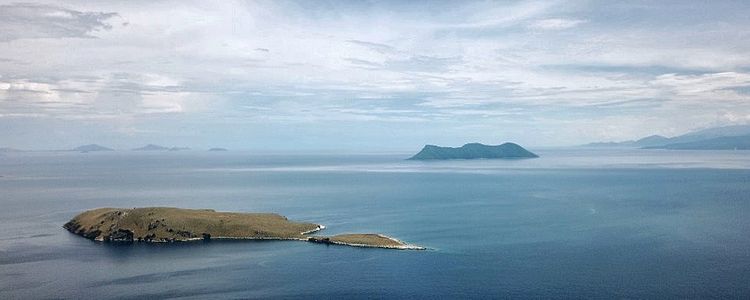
163	224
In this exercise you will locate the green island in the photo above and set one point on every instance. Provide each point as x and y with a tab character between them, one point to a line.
474	151
167	224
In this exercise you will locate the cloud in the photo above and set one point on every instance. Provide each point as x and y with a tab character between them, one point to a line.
380	48
491	15
364	63
118	95
416	63
480	65
715	86
555	24
391	58
162	102
26	20
630	70
422	63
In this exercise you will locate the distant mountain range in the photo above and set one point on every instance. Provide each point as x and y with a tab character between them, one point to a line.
473	151
720	143
648	141
719	138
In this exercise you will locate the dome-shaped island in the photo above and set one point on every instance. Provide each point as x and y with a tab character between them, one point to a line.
474	151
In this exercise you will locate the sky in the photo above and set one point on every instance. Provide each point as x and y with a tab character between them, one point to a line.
364	76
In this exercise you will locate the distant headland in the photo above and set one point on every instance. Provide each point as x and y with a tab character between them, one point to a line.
735	137
166	224
474	151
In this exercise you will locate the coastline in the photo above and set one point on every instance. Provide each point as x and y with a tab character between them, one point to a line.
399	245
313	239
403	247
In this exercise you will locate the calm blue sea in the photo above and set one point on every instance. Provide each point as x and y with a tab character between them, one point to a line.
575	223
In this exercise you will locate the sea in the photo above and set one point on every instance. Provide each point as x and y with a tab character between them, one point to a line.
575	223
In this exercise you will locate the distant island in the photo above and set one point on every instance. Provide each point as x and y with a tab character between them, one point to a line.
10	150
217	149
178	148
152	147
166	224
719	138
91	148
474	151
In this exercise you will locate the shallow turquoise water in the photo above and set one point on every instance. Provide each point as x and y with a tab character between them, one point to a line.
575	223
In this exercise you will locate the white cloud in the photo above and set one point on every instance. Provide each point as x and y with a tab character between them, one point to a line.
484	15
705	87
29	20
93	98
691	84
555	24
161	102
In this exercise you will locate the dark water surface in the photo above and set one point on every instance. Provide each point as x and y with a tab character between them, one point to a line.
572	224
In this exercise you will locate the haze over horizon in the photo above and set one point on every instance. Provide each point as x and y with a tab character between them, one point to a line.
387	75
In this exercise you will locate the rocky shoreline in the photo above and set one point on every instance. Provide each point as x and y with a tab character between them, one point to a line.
336	240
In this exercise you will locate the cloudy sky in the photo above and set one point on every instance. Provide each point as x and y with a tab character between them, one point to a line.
367	76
